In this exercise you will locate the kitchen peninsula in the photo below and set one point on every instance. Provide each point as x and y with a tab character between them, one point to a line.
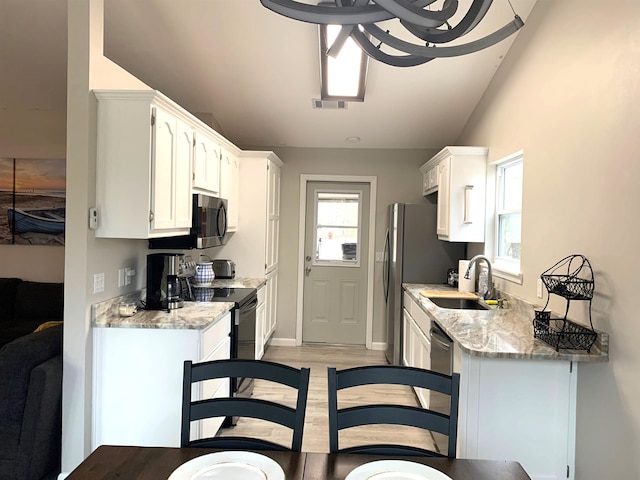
517	394
138	368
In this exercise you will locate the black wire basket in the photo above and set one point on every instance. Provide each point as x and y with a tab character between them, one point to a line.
572	279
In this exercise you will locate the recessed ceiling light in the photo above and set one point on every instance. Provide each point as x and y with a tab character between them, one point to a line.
353	139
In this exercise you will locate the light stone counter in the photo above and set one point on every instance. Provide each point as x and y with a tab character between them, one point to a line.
194	315
239	282
500	333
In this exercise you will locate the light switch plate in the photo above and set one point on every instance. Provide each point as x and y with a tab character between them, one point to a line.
98	282
121	277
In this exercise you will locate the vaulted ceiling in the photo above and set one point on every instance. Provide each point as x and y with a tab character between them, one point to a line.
253	71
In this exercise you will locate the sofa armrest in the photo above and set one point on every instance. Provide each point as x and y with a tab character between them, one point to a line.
41	437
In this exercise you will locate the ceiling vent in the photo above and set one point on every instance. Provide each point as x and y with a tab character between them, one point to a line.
329	104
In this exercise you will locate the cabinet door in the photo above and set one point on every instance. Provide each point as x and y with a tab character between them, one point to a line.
162	170
261	316
406	339
422	358
272	293
206	164
444	175
273	215
171	173
229	184
182	175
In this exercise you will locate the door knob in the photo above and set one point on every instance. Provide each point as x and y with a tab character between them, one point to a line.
307	270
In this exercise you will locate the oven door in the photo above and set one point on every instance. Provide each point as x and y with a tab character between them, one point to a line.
246	341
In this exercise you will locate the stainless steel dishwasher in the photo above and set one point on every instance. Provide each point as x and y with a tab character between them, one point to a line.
441	361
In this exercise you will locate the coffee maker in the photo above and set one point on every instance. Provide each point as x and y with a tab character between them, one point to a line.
164	289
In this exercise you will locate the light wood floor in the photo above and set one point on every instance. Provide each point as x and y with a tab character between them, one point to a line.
316	431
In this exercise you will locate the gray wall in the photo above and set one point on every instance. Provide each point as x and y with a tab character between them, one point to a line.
398	181
568	94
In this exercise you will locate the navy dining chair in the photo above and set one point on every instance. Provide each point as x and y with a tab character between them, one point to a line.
389	413
200	409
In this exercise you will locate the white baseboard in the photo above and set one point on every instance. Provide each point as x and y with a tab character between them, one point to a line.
282	342
378	345
291	342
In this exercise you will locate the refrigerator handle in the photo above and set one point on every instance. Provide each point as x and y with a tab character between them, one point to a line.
385	268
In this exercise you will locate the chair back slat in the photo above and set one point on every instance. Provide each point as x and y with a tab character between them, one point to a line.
201	409
354	416
243	407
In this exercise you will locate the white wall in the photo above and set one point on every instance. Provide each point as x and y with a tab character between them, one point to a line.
84	254
568	93
399	180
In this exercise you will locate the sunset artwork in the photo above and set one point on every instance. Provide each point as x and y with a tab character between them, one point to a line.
32	201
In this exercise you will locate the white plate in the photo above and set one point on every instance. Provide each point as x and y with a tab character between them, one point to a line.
229	466
396	470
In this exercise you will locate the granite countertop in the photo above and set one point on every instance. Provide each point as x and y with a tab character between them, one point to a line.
239	282
194	315
500	333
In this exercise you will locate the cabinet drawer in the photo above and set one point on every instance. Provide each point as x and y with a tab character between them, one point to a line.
262	294
215	334
421	318
220	353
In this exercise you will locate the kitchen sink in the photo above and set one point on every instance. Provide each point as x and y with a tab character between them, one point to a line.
459	303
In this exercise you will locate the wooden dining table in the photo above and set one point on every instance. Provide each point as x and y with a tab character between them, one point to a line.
109	462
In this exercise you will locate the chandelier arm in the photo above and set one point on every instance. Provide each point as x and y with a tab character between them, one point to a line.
394	60
443	52
474	15
406	10
345	31
328	15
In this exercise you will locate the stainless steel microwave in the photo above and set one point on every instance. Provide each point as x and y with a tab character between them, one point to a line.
208	227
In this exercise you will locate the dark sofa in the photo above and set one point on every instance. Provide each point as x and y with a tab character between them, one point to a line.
31	406
25	305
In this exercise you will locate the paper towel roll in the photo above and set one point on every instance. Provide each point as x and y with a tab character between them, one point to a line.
464	284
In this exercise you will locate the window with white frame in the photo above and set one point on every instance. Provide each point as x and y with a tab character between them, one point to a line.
337	233
509	214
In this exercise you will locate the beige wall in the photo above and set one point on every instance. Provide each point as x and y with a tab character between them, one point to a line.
568	93
398	181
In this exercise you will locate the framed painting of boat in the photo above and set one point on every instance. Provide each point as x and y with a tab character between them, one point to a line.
32	201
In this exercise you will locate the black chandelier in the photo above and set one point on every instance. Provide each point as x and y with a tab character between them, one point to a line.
358	19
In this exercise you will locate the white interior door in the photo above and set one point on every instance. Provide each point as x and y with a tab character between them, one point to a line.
335	259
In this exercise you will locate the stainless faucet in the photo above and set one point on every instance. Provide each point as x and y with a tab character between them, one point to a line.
489	274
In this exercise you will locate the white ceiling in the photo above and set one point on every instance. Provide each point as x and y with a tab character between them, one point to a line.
255	71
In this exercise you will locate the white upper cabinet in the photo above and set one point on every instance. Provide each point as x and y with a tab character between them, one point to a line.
229	187
152	155
206	164
143	166
460	183
273	215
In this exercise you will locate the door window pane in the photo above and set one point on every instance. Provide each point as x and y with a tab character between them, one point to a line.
337	226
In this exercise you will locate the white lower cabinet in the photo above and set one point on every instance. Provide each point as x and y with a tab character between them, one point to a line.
261	320
137	374
510	408
271	303
416	346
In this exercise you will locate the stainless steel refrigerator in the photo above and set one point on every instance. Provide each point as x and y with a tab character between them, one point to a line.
413	254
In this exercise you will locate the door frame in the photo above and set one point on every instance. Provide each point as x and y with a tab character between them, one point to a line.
373	183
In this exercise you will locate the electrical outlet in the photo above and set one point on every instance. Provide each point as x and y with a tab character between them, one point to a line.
98	282
539	288
129	273
121	277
